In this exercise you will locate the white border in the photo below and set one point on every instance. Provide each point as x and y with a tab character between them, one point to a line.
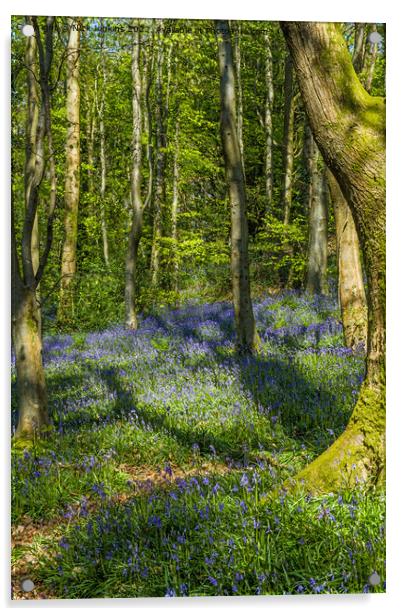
341	10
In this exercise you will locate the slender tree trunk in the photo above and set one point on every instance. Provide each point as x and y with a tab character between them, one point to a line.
288	141
105	242
268	119
316	273
349	128
136	199
239	119
90	137
31	154
160	195
359	47
247	338
372	56
147	116
32	401
175	209
352	296
309	147
72	181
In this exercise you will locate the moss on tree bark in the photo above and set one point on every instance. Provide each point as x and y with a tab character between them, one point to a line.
349	128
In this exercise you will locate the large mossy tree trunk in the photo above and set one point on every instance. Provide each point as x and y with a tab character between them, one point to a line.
352	295
72	182
349	128
247	339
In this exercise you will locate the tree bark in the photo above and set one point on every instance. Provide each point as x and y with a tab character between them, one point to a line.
31	154
239	119
359	47
247	339
90	138
352	296
372	56
31	387
72	181
160	189
268	119
175	208
351	293
33	416
349	128
136	199
316	272
101	112
288	141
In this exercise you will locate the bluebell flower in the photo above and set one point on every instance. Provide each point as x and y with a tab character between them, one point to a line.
63	543
244	480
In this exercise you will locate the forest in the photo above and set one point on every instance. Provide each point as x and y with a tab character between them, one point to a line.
198	307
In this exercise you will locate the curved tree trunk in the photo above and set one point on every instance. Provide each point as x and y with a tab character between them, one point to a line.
72	182
352	296
33	416
247	339
349	128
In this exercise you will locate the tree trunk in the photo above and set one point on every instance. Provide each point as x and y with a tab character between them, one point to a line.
175	208
349	128
247	339
288	141
372	56
147	116
316	273
72	181
31	154
90	137
268	119
359	47
136	199
31	388
239	118
352	296
105	242
309	146
159	200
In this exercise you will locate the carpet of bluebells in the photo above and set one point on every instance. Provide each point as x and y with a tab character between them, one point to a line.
166	447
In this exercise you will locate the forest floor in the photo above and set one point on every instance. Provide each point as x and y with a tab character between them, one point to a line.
166	445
